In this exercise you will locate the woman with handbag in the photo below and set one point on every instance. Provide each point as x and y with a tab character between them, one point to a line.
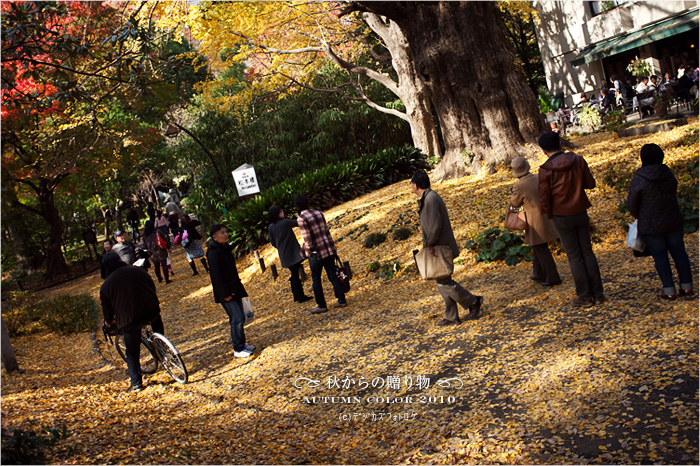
282	237
193	249
653	201
539	230
158	247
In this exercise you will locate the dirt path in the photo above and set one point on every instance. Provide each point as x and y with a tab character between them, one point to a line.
535	380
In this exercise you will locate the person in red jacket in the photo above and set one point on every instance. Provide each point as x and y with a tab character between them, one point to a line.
563	179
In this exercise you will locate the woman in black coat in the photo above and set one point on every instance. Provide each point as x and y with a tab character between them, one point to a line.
282	237
652	201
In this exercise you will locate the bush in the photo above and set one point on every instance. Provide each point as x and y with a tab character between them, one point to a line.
325	188
374	266
614	120
402	234
69	314
26	446
388	270
589	118
495	245
374	239
19	312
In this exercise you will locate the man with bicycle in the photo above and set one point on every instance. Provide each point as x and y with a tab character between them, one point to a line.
129	302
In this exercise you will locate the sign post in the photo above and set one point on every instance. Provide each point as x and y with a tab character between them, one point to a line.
245	180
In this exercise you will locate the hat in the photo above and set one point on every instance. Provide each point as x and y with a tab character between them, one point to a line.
520	167
118	233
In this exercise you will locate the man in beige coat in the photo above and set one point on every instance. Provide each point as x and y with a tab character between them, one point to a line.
540	229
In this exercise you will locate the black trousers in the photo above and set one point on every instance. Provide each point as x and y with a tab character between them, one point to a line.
544	269
132	339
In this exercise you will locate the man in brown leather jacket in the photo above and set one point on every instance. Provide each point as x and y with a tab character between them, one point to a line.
563	179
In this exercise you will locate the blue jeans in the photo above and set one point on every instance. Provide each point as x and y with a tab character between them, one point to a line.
317	265
575	235
659	247
236	318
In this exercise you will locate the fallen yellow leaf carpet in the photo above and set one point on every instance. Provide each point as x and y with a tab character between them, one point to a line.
535	380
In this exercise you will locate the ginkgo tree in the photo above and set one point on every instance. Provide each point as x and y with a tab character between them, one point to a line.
453	57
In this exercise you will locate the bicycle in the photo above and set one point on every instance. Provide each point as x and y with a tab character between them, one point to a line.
158	349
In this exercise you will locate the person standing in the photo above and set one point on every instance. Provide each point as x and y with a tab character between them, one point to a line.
282	237
151	211
193	249
563	179
227	287
129	301
132	219
320	249
125	248
652	200
159	253
540	229
437	231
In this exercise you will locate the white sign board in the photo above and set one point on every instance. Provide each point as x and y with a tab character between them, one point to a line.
245	179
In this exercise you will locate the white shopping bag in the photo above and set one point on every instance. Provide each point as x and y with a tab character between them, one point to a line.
248	311
633	239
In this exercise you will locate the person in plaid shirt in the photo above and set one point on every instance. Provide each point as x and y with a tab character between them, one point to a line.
320	249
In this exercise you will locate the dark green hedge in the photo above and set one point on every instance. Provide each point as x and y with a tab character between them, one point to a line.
325	188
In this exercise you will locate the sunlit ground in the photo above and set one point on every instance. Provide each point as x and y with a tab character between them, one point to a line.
543	381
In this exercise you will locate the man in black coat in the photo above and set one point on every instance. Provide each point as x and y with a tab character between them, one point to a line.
129	301
227	287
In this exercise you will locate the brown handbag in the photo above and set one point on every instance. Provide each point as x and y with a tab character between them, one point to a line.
515	220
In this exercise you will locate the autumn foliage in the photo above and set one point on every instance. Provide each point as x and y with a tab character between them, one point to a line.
542	381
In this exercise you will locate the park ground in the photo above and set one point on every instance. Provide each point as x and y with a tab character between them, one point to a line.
535	380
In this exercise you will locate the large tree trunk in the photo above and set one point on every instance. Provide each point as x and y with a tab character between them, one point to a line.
411	89
487	112
55	261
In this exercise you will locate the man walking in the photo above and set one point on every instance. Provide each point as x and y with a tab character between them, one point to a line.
564	177
320	249
129	301
125	248
227	287
437	231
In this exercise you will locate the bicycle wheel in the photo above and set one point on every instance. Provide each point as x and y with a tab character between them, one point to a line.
148	359
170	358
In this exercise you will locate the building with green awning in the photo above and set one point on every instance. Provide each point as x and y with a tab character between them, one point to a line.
583	44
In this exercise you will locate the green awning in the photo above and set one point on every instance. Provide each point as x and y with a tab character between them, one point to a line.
667	28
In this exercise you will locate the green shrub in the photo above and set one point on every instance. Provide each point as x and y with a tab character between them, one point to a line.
545	100
374	239
19	312
325	188
374	266
495	245
402	234
613	121
388	270
69	314
26	446
589	118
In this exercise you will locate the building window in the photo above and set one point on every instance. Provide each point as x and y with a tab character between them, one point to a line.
603	6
